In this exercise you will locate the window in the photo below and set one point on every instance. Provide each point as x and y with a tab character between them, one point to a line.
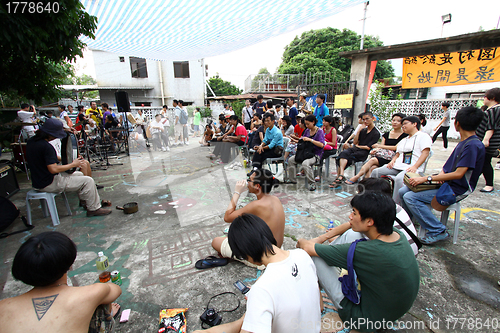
181	69
138	67
122	59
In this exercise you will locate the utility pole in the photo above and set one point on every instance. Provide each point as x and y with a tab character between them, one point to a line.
364	21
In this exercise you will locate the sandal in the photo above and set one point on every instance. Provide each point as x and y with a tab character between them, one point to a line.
209	262
288	181
338	181
349	182
105	203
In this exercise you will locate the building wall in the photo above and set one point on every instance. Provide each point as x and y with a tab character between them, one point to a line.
110	72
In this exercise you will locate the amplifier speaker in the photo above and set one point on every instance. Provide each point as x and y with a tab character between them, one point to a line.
122	102
8	180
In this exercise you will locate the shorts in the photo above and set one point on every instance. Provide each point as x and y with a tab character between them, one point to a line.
178	130
353	155
196	128
226	252
382	161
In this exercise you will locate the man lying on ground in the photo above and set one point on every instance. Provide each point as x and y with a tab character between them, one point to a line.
285	299
385	265
52	306
267	207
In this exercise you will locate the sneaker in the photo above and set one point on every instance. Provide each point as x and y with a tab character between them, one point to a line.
167	149
427	240
312	187
163	149
230	166
497	167
99	212
186	143
317	179
444	149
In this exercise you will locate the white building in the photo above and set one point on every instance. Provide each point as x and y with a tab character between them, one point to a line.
149	82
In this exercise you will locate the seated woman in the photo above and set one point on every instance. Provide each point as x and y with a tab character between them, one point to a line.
291	148
382	153
330	128
286	126
207	136
316	136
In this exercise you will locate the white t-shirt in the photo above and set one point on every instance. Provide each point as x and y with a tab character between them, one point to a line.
285	299
417	143
360	126
26	117
154	124
403	216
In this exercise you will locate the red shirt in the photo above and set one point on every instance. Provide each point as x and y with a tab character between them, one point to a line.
241	130
299	130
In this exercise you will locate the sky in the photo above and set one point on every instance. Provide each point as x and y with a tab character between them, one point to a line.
393	21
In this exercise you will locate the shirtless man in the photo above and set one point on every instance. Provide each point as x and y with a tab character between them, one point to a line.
52	305
267	207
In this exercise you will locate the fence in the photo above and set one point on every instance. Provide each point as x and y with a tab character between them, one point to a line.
431	108
283	82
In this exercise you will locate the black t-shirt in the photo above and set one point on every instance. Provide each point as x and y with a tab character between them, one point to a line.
393	142
81	117
39	154
368	139
256	137
259	108
112	124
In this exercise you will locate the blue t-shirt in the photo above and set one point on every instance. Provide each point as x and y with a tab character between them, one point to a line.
320	112
293	114
472	157
273	137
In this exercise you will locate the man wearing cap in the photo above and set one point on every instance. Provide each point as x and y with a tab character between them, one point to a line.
304	106
48	176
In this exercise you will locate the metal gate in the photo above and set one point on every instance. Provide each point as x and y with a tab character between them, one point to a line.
331	89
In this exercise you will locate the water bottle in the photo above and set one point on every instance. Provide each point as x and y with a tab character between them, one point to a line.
331	226
102	262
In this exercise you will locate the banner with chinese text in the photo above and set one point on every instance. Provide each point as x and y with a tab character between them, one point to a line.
455	68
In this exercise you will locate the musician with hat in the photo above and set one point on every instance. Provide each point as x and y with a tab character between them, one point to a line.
48	176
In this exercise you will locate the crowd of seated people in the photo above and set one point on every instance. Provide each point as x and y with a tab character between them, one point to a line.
368	268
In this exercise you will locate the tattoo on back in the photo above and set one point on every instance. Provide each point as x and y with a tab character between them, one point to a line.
43	304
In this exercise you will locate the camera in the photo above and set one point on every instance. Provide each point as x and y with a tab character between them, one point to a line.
211	317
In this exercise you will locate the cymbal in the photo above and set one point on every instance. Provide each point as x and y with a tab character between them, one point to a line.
12	123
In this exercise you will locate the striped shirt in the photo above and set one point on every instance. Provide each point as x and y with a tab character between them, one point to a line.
491	121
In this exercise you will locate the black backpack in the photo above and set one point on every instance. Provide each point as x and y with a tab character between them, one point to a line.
8	216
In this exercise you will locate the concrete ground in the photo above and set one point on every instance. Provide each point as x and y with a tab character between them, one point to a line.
182	199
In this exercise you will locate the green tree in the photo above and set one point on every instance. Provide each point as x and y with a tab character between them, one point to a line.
316	51
83	79
221	87
380	106
36	48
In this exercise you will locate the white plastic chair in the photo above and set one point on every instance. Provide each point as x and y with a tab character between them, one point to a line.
48	203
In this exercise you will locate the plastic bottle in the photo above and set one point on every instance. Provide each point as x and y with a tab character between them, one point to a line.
331	226
102	262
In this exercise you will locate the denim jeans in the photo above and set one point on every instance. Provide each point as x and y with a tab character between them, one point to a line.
417	204
328	276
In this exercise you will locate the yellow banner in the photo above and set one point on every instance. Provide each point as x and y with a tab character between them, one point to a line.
343	101
455	68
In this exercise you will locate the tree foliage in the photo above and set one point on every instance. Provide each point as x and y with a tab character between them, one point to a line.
83	79
36	48
380	106
221	87
316	51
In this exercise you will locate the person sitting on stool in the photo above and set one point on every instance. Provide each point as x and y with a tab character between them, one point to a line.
48	176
